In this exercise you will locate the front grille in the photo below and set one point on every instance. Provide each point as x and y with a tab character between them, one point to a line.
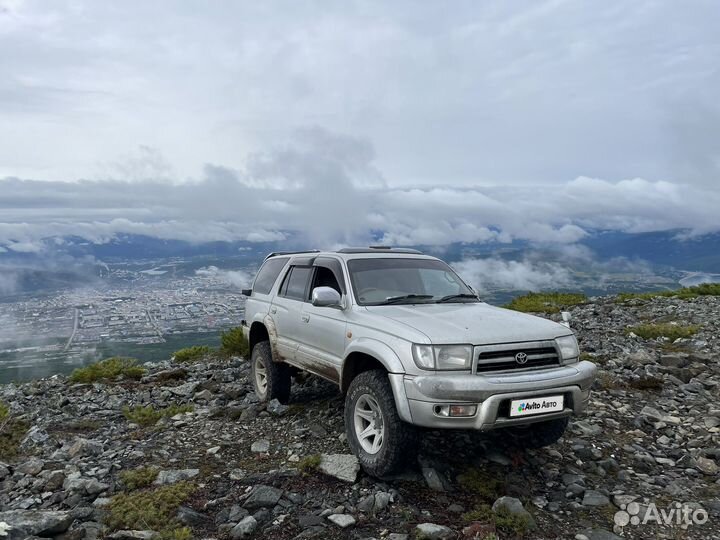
503	358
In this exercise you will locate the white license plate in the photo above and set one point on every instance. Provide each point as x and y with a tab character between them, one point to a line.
541	405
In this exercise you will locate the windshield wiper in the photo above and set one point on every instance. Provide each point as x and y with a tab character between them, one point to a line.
398	299
451	297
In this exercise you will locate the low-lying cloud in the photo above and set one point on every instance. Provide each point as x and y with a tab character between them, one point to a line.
234	278
324	190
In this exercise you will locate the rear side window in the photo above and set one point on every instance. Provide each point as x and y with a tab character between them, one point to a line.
268	273
296	283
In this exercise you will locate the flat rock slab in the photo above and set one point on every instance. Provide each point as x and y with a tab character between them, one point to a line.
344	467
342	520
432	531
263	497
174	476
594	498
23	523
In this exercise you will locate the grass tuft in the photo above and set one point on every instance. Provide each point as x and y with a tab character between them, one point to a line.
191	354
666	330
149	415
310	464
108	369
138	478
12	432
481	482
705	289
646	383
504	521
552	302
153	509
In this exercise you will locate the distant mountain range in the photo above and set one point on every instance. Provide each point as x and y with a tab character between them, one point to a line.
75	260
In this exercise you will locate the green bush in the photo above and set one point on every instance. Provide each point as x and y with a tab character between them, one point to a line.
138	478
12	432
705	289
191	354
310	464
149	509
504	521
667	330
149	415
546	302
233	343
108	369
482	482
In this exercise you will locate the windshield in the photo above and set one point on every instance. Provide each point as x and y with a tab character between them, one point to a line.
406	281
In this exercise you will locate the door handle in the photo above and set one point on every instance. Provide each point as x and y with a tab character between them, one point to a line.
305	318
273	310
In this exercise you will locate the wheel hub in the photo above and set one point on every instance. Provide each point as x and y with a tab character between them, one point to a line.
368	423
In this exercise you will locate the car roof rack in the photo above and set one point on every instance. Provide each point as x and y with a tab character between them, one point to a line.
276	253
376	249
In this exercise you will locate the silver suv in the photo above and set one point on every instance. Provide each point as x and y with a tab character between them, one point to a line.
410	345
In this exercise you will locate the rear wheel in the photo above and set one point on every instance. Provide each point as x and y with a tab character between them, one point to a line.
537	435
378	437
271	380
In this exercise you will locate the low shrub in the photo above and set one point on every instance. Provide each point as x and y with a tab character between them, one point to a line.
108	369
191	354
705	289
149	415
482	482
233	343
646	383
552	302
12	431
666	330
138	478
510	524
310	464
154	509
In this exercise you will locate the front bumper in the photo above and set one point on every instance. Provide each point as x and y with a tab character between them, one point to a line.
419	396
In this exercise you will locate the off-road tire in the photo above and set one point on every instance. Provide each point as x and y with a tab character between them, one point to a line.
399	438
278	374
537	435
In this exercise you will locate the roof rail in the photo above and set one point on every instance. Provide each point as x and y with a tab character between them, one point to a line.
375	249
275	253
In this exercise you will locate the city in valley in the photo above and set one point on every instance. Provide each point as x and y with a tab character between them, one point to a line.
145	314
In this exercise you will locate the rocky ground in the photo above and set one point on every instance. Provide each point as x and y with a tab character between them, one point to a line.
234	468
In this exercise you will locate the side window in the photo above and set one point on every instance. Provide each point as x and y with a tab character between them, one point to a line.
324	277
296	282
267	275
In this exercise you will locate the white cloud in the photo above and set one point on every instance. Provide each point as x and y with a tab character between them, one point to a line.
530	91
236	278
492	273
328	199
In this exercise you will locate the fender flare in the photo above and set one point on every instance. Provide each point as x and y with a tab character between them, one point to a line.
392	364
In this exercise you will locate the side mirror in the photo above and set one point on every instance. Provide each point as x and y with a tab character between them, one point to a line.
326	297
246	292
566	317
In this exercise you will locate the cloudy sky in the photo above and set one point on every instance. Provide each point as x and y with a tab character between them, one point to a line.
429	122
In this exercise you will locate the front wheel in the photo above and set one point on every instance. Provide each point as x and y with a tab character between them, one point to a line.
271	380
378	437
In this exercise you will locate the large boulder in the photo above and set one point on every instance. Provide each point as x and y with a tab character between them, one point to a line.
23	523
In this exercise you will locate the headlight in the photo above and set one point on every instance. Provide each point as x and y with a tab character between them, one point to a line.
445	357
568	349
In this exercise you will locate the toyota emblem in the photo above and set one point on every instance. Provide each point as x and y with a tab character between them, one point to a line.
521	358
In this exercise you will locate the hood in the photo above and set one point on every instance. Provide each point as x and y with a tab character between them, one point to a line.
473	323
